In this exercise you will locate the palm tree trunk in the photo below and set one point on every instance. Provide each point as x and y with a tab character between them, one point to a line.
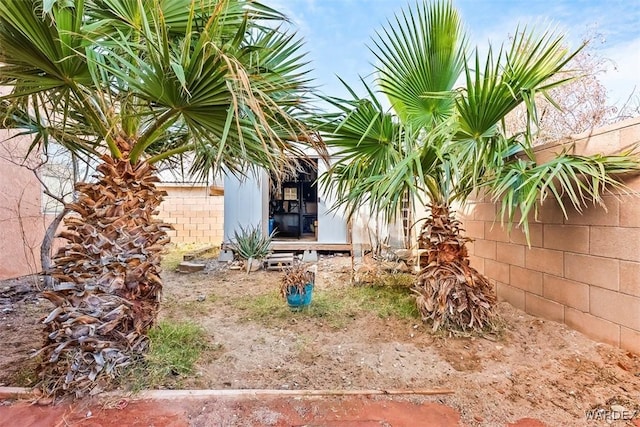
106	287
46	248
451	293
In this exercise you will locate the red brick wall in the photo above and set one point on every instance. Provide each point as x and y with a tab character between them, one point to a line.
583	271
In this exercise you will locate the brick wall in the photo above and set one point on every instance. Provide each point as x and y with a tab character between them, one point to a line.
196	216
583	271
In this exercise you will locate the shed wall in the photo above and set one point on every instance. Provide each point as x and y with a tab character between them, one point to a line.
332	224
244	204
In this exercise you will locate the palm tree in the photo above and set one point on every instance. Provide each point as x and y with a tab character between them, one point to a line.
137	82
443	138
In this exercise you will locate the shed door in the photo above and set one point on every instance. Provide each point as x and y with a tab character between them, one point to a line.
332	226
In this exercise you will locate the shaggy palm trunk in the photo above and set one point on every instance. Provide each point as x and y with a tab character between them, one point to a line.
451	293
106	287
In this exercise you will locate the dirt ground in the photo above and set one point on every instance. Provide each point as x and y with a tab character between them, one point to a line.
534	369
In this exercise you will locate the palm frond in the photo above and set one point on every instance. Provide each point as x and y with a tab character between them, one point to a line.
46	77
521	186
508	79
422	55
226	73
368	142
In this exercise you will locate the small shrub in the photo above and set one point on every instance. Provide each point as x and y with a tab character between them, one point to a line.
250	244
295	277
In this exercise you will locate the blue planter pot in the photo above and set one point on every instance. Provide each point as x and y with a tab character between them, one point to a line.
298	300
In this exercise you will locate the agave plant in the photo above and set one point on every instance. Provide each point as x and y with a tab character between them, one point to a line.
250	244
439	142
134	83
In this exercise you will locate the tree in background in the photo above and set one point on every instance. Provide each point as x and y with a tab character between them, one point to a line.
579	105
135	83
439	142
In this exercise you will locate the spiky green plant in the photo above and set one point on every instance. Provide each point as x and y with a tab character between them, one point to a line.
443	138
251	244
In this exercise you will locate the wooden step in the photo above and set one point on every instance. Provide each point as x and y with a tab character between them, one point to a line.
189	267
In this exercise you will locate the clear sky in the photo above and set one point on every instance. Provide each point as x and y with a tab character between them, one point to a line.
337	32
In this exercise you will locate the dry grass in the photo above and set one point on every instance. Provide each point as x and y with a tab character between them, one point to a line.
338	306
175	347
175	253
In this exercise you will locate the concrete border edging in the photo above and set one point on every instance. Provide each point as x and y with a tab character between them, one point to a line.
15	392
21	392
176	394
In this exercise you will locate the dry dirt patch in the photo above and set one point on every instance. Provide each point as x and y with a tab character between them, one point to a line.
534	368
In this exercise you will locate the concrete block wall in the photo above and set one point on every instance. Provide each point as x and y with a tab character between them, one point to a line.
196	216
583	270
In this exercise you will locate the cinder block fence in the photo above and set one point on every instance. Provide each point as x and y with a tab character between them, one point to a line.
196	216
584	270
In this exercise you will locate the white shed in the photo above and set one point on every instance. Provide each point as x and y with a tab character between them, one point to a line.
298	212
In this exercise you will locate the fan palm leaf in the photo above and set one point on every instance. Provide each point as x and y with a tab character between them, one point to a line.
421	53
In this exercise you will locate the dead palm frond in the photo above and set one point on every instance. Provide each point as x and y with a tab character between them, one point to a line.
450	293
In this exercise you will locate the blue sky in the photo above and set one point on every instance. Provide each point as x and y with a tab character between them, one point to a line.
337	32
